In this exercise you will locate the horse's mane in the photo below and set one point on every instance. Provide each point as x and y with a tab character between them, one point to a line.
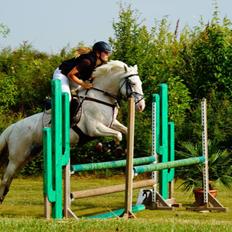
110	67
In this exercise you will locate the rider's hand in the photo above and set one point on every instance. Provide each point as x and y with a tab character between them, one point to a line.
87	85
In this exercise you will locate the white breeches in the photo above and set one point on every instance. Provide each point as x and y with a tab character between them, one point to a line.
57	75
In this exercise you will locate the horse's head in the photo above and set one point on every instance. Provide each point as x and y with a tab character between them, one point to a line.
131	85
116	77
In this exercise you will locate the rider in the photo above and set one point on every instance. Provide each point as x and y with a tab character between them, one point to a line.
77	72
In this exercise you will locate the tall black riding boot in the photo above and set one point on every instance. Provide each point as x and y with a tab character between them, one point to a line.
74	106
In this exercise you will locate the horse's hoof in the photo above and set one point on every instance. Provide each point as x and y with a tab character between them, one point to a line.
119	138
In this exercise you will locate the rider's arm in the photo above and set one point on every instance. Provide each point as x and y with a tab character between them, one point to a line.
73	75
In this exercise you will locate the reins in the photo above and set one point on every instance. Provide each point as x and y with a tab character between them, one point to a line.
106	93
129	93
98	101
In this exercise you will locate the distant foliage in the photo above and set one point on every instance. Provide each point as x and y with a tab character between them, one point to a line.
4	30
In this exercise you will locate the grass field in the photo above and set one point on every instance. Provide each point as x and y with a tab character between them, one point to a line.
22	210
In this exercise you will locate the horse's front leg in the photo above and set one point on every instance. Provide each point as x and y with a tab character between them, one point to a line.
116	125
102	130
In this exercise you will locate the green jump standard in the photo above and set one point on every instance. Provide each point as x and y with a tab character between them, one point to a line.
167	165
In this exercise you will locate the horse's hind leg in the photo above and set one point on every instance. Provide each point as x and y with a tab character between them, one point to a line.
7	178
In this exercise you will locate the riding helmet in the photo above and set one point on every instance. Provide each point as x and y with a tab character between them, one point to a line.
102	46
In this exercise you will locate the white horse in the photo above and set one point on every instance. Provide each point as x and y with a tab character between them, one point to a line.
21	141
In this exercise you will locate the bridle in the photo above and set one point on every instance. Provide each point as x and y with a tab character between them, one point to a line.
129	93
129	90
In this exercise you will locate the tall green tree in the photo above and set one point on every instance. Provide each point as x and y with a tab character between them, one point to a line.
155	54
207	60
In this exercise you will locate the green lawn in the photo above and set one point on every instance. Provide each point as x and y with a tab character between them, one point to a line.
22	210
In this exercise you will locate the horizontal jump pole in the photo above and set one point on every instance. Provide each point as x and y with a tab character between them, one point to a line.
110	164
116	213
109	189
166	165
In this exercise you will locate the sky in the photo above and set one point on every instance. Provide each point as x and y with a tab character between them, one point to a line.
50	25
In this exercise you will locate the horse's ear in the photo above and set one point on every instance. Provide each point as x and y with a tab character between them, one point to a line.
136	67
125	68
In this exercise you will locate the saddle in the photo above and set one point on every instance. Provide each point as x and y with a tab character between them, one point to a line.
75	111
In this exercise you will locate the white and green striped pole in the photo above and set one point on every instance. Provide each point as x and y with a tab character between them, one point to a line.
154	140
205	149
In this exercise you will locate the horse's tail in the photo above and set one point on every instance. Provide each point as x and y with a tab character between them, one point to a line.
4	137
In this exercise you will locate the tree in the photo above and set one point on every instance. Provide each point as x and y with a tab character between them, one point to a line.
207	60
155	53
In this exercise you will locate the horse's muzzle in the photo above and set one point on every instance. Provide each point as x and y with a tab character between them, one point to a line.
140	106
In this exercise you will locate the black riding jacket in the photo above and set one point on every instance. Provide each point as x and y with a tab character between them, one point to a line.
85	65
